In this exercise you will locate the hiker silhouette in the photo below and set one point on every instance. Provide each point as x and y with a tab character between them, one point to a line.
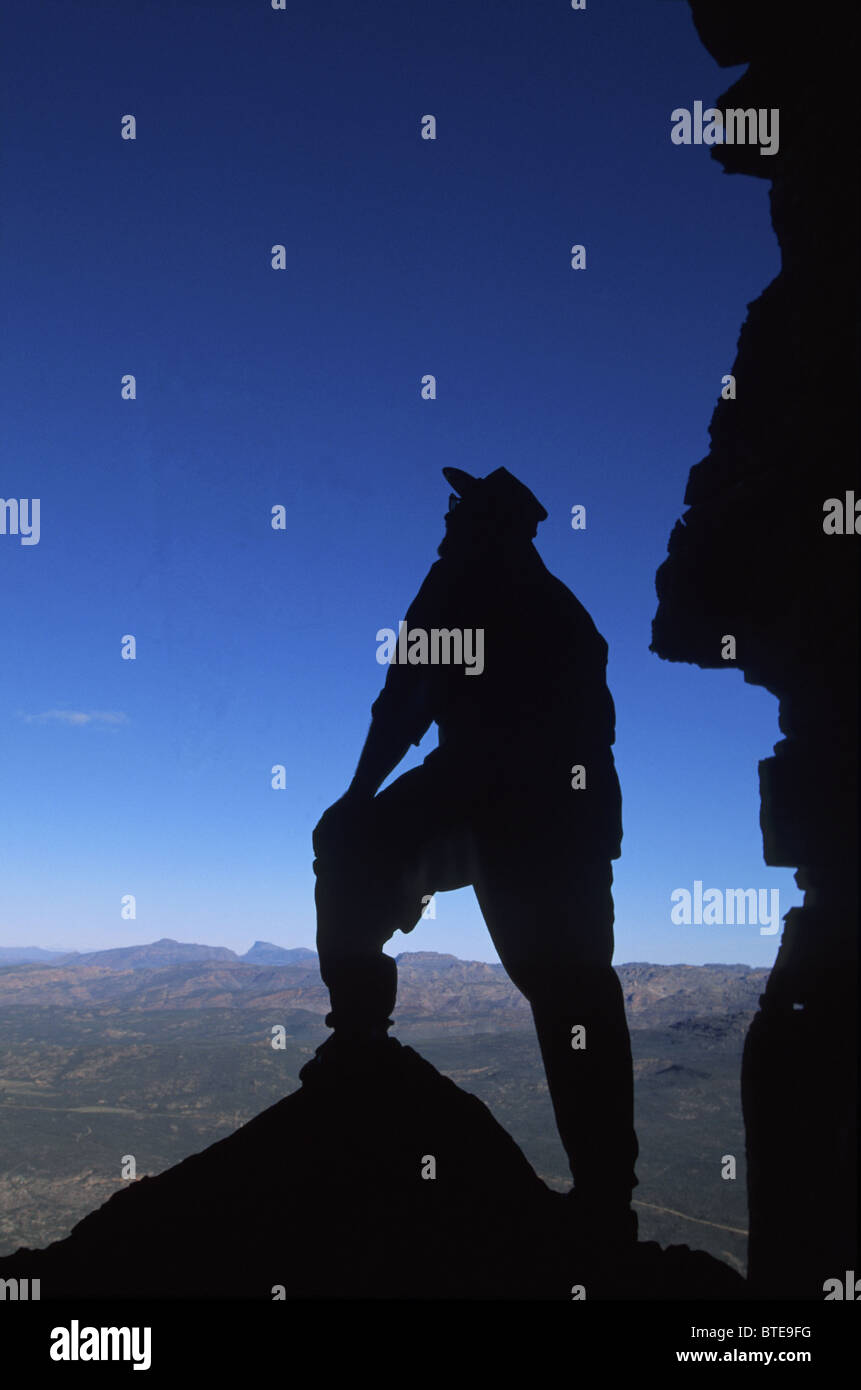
520	799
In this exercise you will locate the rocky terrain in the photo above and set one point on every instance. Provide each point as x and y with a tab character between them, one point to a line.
99	1061
379	1177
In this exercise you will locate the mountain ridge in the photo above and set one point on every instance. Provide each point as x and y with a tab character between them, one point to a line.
438	991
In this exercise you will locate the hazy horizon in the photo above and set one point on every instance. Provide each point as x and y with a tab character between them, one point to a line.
299	946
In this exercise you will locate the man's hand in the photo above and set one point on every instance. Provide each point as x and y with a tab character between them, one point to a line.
384	747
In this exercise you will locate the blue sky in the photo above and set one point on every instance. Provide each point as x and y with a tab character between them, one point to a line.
301	387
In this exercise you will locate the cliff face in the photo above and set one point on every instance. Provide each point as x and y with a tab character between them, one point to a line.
752	558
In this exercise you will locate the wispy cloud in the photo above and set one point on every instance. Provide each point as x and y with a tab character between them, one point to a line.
76	717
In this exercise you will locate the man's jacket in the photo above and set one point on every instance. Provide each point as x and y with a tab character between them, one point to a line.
540	707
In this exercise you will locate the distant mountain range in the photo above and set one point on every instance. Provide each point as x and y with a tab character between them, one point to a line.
157	954
264	953
441	993
21	955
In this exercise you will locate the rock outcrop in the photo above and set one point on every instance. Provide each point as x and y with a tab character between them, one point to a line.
752	559
330	1194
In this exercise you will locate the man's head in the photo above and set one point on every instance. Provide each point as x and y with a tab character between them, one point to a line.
498	508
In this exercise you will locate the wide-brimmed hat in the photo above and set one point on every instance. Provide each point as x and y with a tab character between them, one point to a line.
501	494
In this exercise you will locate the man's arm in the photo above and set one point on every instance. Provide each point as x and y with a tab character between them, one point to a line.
396	723
400	716
384	748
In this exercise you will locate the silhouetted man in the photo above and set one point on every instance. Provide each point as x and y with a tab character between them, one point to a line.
520	799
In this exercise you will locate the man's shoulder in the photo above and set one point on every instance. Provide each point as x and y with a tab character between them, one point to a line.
527	585
565	604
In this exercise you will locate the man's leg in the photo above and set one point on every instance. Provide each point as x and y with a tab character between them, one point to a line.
586	1050
551	921
403	846
361	979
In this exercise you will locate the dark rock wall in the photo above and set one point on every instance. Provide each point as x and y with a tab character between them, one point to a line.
750	558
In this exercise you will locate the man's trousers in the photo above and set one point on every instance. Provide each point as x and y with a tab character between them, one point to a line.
545	894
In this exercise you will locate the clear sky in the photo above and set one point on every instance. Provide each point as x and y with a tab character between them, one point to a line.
301	387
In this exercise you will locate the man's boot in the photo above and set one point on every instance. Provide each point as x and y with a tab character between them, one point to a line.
362	992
